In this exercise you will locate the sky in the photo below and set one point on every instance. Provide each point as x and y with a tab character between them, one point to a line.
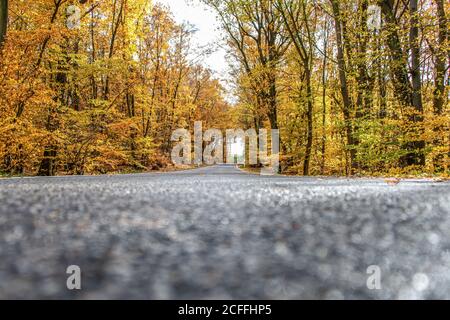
208	34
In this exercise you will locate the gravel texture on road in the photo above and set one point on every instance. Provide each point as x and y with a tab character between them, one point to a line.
220	233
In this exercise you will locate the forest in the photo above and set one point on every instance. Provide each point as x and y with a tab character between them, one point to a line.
356	87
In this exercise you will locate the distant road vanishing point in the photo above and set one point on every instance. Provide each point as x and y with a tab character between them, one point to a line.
219	233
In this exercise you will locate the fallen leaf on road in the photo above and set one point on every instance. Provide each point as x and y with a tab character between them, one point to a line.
393	181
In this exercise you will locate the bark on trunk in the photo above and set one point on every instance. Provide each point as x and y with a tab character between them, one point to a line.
3	20
415	155
348	106
309	116
440	60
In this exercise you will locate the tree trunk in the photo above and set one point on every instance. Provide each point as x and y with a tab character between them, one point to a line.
348	106
324	100
415	58
364	104
309	116
409	95
440	59
399	61
114	27
47	166
439	94
3	19
272	99
415	148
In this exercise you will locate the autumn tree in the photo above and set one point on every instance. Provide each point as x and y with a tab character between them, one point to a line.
300	22
256	32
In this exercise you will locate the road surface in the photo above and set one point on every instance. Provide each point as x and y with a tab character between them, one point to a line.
219	233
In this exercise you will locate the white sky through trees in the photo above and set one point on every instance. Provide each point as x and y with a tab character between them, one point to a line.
207	35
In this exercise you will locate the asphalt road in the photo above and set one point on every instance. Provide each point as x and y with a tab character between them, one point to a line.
219	233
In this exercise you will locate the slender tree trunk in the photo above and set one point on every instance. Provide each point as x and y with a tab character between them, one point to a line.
272	60
309	115
382	89
324	100
364	82
415	59
272	100
439	94
415	148
348	106
440	60
115	27
3	20
94	89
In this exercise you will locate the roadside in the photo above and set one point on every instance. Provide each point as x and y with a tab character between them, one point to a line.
167	169
390	179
